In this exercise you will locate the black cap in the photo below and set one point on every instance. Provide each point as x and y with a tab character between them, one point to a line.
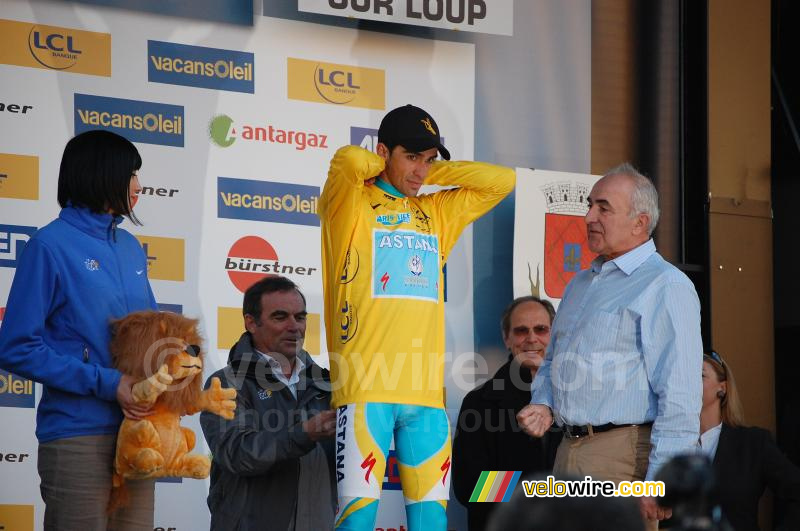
412	128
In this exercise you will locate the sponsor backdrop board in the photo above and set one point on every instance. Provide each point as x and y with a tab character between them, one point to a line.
236	126
550	243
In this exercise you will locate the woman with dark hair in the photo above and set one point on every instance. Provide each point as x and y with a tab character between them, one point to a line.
74	276
745	459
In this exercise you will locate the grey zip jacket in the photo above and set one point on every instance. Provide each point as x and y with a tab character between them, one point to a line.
266	473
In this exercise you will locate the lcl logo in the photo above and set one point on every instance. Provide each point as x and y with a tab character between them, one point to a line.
52	49
54	42
334	78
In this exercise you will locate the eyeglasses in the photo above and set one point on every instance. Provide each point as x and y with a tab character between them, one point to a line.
524	331
715	357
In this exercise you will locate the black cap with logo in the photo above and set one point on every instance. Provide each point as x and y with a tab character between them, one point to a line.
412	128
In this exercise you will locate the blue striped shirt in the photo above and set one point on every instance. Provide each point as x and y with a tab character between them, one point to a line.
626	348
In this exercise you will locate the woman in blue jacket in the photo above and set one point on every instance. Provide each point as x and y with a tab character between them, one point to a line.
74	276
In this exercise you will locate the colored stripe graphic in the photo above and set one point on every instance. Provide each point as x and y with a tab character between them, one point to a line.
487	486
512	484
478	486
495	486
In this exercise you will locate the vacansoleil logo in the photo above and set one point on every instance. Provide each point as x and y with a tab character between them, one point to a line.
199	66
138	121
267	201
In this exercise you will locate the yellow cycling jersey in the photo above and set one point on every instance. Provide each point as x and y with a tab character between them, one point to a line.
382	260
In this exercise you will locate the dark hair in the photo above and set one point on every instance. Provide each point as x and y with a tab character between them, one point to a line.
505	320
96	171
273	284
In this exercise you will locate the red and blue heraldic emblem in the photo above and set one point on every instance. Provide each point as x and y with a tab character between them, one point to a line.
566	248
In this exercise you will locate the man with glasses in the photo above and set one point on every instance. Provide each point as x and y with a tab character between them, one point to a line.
622	371
487	434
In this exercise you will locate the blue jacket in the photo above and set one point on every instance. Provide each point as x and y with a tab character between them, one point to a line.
74	276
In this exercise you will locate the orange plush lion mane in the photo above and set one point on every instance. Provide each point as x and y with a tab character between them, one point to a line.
143	341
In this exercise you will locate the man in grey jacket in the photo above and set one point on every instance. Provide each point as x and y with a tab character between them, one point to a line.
272	465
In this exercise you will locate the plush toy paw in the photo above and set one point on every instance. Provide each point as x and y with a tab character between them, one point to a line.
146	463
148	391
193	466
219	400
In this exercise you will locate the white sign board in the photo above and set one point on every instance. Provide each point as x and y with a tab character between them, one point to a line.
481	16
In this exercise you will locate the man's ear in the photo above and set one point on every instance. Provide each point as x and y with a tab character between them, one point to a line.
383	151
642	222
249	323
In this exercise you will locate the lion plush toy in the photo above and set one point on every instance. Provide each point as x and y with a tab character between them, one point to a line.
161	349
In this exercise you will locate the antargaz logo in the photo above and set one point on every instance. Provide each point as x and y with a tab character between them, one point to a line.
199	66
12	240
353	86
138	121
251	258
222	132
267	201
55	48
16	391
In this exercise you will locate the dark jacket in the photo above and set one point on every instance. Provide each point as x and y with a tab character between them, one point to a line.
266	473
489	438
747	461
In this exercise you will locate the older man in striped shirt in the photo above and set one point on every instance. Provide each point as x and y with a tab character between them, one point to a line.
621	375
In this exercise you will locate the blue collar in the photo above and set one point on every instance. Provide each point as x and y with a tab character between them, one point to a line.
388	188
630	261
92	223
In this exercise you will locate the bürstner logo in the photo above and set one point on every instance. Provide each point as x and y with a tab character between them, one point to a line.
251	258
12	240
138	121
55	48
267	201
198	66
16	391
223	132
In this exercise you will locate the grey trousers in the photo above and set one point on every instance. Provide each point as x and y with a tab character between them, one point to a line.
75	478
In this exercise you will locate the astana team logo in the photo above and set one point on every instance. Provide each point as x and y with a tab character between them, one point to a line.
566	249
415	265
221	131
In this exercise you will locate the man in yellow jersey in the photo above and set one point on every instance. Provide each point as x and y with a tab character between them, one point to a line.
383	250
